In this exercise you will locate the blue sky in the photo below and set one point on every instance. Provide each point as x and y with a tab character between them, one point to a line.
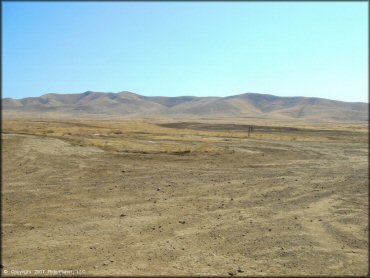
203	49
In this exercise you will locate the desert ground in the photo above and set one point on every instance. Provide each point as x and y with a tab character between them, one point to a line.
169	197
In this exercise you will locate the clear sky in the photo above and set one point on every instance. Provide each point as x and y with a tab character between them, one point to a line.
171	49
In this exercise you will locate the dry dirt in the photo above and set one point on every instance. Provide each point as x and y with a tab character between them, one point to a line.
185	199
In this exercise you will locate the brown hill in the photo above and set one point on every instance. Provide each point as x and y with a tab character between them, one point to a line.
128	104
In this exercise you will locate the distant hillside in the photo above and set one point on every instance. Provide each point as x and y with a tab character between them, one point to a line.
128	104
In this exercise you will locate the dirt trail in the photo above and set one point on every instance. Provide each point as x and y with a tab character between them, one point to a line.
277	208
321	235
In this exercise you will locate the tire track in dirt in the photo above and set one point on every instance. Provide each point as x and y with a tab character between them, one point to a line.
315	229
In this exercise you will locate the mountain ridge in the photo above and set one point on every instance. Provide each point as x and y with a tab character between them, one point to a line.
130	104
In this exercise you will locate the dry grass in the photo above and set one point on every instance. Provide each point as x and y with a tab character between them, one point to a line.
140	136
125	136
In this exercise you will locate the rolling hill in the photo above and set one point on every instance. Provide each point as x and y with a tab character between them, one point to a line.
127	104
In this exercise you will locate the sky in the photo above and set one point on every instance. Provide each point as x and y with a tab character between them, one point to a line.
313	49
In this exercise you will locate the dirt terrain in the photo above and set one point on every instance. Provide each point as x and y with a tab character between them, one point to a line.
147	198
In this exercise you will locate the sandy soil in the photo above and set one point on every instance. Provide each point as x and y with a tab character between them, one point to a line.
259	207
